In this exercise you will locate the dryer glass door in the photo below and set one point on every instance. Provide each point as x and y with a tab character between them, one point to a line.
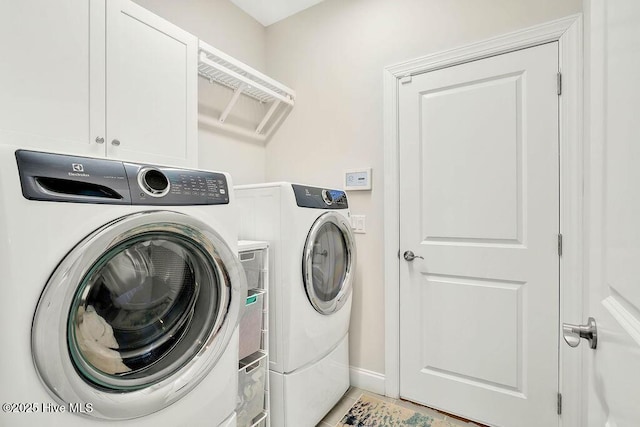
137	314
329	262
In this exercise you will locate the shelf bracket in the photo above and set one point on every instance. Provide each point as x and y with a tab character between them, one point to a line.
274	106
234	99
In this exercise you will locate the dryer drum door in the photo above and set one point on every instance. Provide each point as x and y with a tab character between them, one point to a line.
328	263
137	314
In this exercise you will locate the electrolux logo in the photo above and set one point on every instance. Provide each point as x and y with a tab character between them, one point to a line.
78	170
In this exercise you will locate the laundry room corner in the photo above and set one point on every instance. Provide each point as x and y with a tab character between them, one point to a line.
334	55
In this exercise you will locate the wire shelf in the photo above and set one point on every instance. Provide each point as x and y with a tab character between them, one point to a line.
215	68
218	67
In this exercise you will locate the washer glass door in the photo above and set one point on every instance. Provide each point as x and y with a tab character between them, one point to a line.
142	309
329	262
146	300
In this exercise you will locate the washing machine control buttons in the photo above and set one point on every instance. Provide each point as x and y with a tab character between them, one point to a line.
319	198
153	182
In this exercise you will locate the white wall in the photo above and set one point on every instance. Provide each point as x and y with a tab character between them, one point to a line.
223	25
333	55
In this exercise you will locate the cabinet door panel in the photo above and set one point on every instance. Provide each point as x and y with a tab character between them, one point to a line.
151	87
44	76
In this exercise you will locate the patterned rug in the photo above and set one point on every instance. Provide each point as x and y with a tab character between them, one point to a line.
369	411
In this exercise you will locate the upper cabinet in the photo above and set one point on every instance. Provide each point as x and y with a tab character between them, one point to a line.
152	87
98	78
44	76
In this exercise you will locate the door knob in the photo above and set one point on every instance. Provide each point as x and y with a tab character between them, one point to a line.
99	140
410	256
573	333
115	142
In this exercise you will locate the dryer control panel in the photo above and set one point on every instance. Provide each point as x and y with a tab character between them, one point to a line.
319	198
63	178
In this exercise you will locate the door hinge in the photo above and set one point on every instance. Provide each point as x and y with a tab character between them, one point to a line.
559	403
559	83
559	244
405	79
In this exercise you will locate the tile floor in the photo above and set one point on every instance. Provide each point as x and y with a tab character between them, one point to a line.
341	408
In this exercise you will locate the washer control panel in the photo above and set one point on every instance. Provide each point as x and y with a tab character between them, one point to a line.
319	198
155	185
63	178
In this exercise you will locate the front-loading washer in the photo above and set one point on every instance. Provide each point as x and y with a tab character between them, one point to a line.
121	293
312	255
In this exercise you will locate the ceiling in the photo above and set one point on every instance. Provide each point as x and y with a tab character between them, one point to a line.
267	12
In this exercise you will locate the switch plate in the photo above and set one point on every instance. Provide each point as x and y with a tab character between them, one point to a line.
357	179
358	224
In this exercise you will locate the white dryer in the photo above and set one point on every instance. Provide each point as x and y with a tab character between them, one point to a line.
121	293
312	257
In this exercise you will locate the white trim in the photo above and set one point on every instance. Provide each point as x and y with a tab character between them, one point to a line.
366	380
571	219
533	36
568	33
391	238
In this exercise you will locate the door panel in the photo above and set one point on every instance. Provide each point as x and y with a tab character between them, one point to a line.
450	306
479	201
151	87
490	180
614	211
45	74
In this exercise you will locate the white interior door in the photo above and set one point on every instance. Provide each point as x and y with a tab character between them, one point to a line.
613	369
479	202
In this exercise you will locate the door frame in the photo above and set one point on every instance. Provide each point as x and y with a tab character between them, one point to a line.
568	33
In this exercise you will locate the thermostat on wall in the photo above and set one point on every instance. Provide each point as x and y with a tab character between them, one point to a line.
358	179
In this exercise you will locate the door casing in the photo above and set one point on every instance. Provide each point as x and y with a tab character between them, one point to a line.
568	33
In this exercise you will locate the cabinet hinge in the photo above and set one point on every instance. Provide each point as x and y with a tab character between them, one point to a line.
559	244
405	79
559	403
559	83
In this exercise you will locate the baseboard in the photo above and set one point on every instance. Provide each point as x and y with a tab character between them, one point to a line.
367	380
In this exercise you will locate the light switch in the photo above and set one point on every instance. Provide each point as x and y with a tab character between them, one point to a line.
358	224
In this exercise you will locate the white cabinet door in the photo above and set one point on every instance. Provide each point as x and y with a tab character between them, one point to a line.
45	83
151	87
479	207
